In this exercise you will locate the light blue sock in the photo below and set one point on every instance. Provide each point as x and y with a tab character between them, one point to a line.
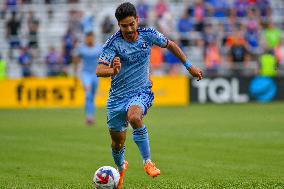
118	158
140	137
89	104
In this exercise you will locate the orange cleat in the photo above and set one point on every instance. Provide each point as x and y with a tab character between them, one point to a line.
152	170
119	186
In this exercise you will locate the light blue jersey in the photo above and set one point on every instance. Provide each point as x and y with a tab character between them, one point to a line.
135	60
131	86
89	57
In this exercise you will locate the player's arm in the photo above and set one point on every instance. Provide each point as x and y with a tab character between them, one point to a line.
105	70
194	71
75	62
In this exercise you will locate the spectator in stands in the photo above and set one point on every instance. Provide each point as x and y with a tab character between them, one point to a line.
172	62
279	54
240	8
199	14
209	34
33	27
53	62
251	21
252	37
69	42
264	7
50	14
2	12
161	8
230	38
238	54
74	22
12	5
189	8
196	52
268	64
251	3
157	61
221	8
272	36
212	58
230	23
107	27
252	31
221	37
142	10
184	26
13	27
167	24
2	68
25	60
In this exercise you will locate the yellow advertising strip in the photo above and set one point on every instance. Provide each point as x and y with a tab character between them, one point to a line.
170	90
68	92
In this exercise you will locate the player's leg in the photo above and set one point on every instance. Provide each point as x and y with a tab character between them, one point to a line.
117	127
118	148
138	107
140	134
116	124
89	103
89	97
91	109
118	151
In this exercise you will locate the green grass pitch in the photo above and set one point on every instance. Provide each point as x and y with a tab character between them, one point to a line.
199	146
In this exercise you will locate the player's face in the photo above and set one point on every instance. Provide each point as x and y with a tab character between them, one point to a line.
89	39
128	27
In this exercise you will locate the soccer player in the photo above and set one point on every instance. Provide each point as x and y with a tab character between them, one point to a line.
125	58
89	53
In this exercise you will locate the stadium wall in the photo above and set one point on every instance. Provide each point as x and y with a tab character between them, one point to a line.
69	93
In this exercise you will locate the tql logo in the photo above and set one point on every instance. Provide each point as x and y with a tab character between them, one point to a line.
219	90
263	89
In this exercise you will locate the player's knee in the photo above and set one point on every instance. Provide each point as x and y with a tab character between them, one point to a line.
87	88
117	146
135	120
89	96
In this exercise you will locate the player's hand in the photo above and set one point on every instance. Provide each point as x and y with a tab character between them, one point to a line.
116	65
196	72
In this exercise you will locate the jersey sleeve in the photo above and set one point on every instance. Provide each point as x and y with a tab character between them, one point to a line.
107	55
156	38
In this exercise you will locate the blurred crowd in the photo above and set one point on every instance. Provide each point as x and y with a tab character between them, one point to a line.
224	37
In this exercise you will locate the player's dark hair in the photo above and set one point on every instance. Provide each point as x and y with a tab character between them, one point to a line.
124	10
89	33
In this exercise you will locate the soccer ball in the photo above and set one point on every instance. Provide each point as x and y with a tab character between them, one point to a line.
106	177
